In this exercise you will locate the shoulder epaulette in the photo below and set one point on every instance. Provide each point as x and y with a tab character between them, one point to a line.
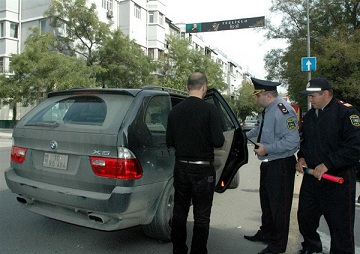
344	104
282	108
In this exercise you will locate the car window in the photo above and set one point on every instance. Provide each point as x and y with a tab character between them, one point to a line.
227	124
85	110
157	113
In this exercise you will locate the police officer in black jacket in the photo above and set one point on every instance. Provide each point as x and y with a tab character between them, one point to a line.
330	144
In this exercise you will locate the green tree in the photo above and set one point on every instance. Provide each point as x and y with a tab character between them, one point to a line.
246	104
180	61
40	69
124	64
84	32
334	29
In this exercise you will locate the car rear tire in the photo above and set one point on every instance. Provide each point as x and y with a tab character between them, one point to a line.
160	227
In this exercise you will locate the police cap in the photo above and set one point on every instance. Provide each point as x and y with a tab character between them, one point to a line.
316	85
263	85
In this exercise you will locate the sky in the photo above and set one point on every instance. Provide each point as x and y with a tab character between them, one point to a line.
247	47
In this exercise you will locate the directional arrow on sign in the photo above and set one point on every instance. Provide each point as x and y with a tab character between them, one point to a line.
308	63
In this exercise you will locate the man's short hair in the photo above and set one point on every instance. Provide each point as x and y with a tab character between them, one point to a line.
197	80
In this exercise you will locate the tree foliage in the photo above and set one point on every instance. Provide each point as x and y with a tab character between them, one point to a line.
180	61
38	71
83	32
246	104
124	63
334	29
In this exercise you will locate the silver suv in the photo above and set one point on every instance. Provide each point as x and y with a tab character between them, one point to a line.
98	158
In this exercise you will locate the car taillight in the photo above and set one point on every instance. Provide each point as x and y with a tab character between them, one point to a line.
126	166
18	154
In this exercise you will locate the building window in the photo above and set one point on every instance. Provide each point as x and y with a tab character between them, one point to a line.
137	11
109	5
42	25
161	54
151	17
103	4
14	30
151	53
161	19
1	65
2	31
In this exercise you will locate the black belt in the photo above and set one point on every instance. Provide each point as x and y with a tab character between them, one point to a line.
196	162
286	158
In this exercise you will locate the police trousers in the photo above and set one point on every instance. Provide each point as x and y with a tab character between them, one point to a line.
193	184
333	201
276	194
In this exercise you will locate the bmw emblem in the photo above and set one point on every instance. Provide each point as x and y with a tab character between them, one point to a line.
53	145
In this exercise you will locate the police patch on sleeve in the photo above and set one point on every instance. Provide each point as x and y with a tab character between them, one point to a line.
291	124
354	119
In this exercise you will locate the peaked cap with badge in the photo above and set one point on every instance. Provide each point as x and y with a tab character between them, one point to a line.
264	85
316	85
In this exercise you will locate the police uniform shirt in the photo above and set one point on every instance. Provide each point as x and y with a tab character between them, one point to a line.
280	134
332	138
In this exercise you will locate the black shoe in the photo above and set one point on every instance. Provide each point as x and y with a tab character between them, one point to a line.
307	252
267	251
256	238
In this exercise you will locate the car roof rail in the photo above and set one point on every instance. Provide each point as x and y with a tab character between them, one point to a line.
166	89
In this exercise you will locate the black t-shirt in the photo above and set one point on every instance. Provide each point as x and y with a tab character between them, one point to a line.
194	129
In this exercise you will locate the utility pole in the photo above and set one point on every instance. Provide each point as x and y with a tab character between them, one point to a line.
308	46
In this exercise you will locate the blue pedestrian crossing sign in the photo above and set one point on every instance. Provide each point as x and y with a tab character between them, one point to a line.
308	64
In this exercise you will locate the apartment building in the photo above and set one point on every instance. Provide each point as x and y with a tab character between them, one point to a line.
144	21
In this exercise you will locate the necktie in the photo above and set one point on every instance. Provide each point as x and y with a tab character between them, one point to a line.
261	127
319	112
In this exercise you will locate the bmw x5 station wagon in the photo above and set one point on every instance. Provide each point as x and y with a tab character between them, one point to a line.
98	157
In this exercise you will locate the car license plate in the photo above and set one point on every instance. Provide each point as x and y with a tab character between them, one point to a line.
53	160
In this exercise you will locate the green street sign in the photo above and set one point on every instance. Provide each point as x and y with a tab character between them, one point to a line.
225	25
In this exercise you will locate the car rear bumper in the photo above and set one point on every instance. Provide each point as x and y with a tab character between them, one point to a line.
124	207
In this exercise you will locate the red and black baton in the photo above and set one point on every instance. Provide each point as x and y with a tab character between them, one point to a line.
332	178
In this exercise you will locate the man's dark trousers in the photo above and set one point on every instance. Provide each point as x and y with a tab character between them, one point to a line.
196	184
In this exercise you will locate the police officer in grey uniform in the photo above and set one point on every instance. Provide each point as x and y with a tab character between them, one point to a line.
277	142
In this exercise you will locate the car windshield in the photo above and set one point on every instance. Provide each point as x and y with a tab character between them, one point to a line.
251	122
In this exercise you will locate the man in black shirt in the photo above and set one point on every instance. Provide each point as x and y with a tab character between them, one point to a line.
194	129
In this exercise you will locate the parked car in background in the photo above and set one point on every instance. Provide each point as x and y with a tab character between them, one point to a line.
98	157
249	124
